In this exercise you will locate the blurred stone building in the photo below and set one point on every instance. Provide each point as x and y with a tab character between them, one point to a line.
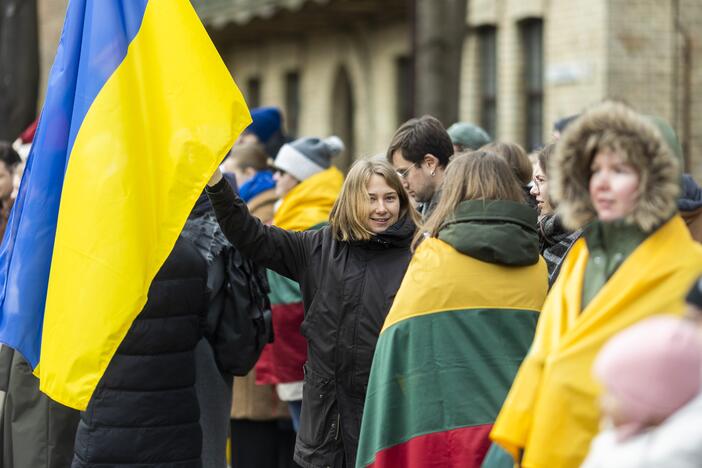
345	66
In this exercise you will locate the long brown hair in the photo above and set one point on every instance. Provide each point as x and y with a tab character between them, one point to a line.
476	175
348	217
515	156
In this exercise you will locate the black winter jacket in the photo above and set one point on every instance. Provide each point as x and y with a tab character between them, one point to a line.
347	289
145	411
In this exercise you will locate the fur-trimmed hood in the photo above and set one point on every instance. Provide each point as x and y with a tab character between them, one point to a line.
646	150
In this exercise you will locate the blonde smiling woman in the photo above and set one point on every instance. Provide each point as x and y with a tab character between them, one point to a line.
349	272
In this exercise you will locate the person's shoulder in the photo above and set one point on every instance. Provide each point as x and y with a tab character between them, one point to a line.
678	441
607	451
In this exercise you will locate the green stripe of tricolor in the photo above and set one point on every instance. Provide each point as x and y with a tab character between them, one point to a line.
440	372
283	290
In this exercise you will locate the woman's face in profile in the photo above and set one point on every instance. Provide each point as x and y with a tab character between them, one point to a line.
540	191
284	183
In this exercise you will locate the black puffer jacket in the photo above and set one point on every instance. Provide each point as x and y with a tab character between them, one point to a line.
347	290
145	411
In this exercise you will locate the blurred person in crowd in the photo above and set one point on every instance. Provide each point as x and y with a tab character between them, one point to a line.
651	404
266	128
518	162
145	410
249	164
9	160
419	152
690	200
467	137
451	346
555	239
561	124
23	143
348	272
690	206
307	185
614	175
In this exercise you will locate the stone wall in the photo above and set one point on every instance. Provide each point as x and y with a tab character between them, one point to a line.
369	57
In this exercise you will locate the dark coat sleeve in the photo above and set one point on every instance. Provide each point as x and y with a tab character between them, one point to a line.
285	252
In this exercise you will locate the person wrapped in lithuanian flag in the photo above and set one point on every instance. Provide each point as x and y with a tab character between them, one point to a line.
460	325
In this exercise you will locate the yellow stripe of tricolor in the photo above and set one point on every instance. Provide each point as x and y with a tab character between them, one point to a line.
440	279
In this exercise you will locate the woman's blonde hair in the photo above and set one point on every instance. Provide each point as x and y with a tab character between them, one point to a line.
477	175
349	216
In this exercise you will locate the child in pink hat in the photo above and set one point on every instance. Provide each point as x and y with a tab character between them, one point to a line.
650	372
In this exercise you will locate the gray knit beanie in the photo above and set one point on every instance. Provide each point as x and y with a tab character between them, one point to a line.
305	157
468	136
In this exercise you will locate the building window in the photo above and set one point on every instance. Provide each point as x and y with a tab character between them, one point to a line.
253	92
404	84
487	43
533	40
292	102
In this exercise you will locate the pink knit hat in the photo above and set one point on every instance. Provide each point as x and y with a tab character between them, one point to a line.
652	369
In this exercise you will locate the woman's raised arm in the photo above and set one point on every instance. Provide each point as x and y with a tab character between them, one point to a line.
282	251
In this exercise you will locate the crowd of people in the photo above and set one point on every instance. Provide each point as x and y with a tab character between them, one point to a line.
455	301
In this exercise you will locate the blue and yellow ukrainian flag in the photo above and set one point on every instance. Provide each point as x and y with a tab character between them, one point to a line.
140	110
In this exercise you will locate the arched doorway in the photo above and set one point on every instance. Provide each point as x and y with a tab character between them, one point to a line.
342	117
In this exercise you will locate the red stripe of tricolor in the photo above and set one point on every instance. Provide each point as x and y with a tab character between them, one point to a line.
460	448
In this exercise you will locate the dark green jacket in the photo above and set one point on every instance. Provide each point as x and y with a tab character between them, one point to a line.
609	245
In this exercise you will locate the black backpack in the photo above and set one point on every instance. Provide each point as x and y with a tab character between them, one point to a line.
238	318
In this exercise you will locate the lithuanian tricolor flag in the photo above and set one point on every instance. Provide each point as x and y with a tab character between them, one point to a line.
446	357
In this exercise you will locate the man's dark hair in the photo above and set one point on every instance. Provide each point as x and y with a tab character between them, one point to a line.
418	137
8	155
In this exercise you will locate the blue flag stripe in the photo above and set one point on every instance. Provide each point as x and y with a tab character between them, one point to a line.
108	29
94	42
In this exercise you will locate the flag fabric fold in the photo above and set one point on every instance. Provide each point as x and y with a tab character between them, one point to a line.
139	111
453	340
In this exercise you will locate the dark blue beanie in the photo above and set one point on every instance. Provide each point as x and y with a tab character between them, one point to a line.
266	121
